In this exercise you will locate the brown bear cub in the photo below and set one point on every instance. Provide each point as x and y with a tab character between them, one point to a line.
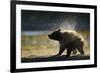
68	41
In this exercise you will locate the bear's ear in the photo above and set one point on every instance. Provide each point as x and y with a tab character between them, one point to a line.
59	30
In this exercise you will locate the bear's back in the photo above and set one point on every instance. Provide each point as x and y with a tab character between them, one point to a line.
69	35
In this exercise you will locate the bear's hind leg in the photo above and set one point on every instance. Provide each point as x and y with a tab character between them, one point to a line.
80	48
81	51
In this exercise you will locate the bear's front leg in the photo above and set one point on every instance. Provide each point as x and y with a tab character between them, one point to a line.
61	50
68	52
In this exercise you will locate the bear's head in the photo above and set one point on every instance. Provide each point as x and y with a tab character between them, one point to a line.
56	35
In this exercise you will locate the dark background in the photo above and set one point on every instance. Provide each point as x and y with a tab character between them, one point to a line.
47	20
